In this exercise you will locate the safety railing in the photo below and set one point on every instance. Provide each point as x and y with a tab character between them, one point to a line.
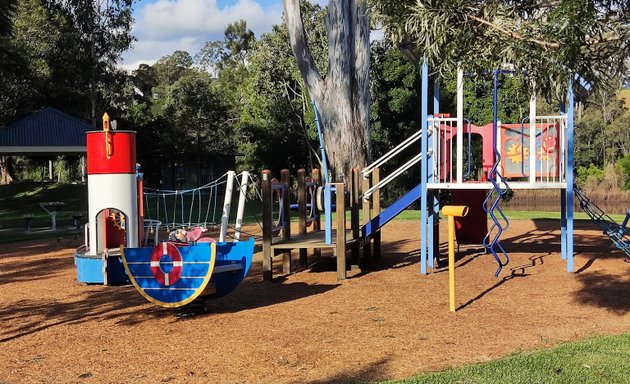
367	171
549	138
443	130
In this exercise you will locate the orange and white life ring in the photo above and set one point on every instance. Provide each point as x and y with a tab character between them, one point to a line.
170	251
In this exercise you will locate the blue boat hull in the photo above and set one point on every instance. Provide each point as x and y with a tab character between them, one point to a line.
174	278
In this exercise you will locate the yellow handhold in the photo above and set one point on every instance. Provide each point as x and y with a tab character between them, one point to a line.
452	211
108	143
455	210
105	122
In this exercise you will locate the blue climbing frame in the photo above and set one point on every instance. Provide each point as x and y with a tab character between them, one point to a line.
429	207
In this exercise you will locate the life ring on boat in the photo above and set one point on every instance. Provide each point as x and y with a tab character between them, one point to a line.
171	251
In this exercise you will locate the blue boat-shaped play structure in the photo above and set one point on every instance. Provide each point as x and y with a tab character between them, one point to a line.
173	275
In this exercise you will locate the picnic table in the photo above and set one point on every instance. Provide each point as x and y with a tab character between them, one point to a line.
51	208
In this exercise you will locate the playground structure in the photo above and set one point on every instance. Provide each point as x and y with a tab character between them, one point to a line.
618	234
122	247
312	201
536	153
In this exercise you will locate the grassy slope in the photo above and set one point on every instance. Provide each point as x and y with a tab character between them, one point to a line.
21	199
598	360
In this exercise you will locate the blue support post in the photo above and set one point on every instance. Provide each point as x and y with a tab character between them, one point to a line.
563	204
569	168
326	180
431	212
434	203
328	213
563	224
423	167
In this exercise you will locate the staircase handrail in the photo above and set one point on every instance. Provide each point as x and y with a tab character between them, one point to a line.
391	153
392	176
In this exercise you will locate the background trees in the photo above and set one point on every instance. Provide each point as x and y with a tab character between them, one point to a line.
245	95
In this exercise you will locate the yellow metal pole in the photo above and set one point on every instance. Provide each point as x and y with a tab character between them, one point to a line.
451	263
452	211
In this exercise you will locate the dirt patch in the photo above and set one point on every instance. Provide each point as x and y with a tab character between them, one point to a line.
386	321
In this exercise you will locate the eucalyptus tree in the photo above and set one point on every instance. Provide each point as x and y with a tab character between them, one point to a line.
342	91
278	120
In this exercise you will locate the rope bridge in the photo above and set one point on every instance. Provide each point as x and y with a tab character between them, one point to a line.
197	207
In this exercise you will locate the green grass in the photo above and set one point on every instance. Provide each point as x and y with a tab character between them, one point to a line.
599	360
517	215
17	200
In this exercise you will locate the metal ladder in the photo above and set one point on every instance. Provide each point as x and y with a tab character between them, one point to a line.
618	234
499	221
491	240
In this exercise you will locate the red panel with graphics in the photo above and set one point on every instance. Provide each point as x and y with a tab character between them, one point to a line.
111	152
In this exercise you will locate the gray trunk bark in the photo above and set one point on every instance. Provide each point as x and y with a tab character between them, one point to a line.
343	95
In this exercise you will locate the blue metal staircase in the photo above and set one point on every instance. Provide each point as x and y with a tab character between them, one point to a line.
392	211
618	234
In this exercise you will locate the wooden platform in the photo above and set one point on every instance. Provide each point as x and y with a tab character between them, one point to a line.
310	240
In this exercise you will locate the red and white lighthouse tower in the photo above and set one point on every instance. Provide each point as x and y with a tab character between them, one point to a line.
112	187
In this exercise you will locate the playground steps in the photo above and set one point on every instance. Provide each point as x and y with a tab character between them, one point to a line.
392	211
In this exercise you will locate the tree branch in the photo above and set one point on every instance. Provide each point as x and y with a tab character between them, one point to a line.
513	34
299	45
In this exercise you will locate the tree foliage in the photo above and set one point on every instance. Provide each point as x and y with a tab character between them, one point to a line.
63	54
549	40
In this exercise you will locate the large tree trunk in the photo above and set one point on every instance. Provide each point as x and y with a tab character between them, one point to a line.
343	95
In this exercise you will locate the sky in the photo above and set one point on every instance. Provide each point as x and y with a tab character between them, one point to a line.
163	26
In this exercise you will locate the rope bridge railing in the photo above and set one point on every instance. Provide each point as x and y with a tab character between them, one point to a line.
198	207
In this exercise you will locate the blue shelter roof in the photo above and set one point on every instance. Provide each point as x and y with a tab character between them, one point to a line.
45	132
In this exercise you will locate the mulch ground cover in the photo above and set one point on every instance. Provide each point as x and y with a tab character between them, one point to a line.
386	321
